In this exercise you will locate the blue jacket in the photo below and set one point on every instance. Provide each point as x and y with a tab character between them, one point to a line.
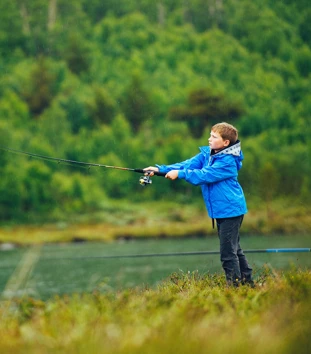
217	174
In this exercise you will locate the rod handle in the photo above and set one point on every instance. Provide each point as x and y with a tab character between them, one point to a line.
140	170
162	174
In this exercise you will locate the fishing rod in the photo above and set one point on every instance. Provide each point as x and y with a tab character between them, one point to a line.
143	180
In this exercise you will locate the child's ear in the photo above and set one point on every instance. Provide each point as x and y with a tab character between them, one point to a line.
226	142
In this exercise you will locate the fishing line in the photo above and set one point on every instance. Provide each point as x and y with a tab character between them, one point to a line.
173	254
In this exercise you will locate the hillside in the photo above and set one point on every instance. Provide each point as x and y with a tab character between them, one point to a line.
137	83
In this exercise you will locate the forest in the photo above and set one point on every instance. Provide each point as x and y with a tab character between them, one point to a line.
135	83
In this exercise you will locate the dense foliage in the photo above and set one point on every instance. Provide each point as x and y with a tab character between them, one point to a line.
134	83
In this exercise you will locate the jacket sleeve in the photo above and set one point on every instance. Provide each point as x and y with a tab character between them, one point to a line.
195	162
220	170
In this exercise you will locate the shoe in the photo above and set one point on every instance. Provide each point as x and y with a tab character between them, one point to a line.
249	283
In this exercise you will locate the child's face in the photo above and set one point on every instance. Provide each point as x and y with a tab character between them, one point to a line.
216	142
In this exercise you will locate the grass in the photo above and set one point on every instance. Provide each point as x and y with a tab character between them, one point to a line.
119	219
187	313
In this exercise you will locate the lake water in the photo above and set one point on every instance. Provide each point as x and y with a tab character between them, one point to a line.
70	268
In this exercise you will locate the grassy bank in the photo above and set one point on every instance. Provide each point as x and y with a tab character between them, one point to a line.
162	219
188	313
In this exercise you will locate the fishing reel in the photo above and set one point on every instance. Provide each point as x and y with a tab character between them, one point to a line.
144	180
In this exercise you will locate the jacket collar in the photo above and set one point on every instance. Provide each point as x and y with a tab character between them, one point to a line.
232	149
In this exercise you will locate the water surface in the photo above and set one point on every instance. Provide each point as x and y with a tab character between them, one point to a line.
69	268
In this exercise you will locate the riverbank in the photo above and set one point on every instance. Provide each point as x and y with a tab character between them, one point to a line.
119	220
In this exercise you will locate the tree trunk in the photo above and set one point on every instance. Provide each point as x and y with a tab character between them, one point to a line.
161	14
25	18
216	11
52	14
187	11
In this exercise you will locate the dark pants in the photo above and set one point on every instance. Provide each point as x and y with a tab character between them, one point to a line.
233	260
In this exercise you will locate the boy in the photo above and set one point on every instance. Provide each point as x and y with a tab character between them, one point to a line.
215	169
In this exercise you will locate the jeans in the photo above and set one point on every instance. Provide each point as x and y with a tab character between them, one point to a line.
233	260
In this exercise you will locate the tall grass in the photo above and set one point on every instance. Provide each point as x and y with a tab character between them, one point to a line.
188	313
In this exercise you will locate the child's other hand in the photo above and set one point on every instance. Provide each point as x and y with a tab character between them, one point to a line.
150	168
172	175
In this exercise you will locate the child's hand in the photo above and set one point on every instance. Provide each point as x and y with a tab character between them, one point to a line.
172	175
150	168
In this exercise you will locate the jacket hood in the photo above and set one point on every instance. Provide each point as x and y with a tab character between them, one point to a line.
234	150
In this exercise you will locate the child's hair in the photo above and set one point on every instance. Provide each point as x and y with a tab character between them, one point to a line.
226	131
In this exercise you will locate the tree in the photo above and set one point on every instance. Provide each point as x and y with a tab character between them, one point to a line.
52	13
40	92
102	107
13	109
136	105
37	193
76	54
303	61
269	180
204	14
77	112
204	108
305	28
10	194
11	28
